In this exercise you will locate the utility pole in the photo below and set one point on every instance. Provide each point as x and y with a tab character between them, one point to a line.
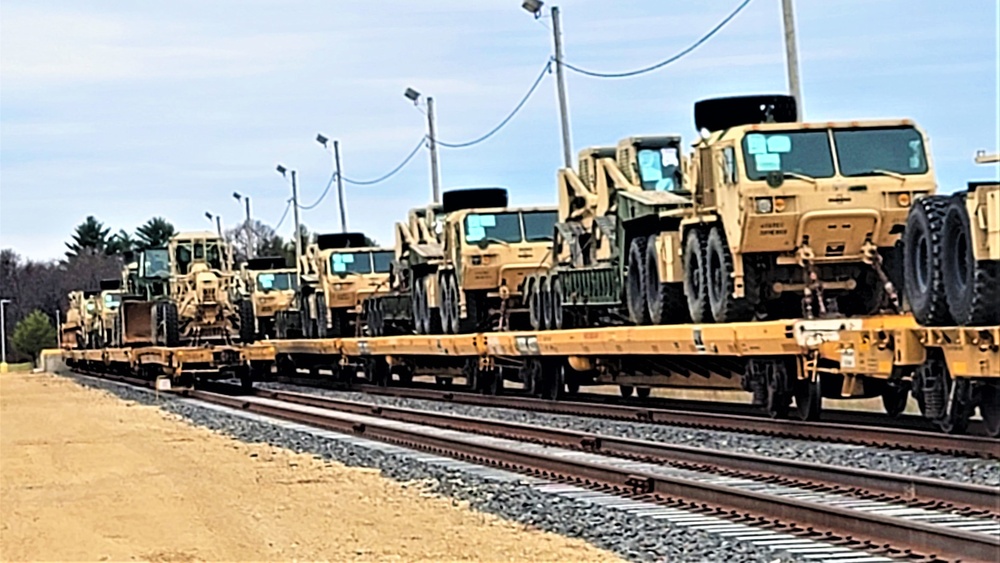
435	174
792	56
340	187
298	236
561	89
249	229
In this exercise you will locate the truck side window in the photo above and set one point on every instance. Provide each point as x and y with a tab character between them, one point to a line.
729	165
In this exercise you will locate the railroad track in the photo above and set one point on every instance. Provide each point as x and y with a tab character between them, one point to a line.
764	499
846	433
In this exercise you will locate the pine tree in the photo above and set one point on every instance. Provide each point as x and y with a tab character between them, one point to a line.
154	233
89	237
33	334
120	243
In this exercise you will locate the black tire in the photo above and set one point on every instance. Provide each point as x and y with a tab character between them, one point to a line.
725	307
447	307
321	315
558	316
171	327
418	305
695	276
545	302
923	261
635	291
626	390
666	301
248	330
533	298
970	286
643	392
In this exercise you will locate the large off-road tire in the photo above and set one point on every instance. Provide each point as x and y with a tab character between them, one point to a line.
418	305
558	315
171	326
696	276
532	297
449	305
923	261
666	301
971	286
321	316
725	307
635	292
545	292
248	329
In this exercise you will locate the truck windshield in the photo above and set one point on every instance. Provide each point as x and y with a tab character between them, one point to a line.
659	169
156	263
493	227
538	225
862	152
351	263
801	152
383	261
112	300
278	281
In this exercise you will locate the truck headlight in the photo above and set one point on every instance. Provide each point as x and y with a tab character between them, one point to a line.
764	205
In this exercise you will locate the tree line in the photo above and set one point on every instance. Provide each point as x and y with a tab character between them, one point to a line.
38	289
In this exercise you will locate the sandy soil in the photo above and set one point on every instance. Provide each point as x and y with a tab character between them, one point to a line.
86	476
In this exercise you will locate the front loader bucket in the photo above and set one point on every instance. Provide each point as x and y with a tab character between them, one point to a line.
137	322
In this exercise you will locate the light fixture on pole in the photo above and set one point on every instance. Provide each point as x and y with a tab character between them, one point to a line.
3	337
217	219
247	227
295	215
323	140
535	8
414	96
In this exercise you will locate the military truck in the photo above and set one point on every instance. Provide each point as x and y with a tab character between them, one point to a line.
767	217
952	255
272	287
461	267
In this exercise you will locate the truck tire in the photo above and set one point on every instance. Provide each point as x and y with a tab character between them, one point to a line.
969	285
321	316
923	261
248	331
725	307
418	306
635	292
534	297
695	276
666	301
556	304
167	319
449	306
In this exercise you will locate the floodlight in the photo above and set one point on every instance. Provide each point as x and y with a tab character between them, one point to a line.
281	169
321	139
412	95
533	6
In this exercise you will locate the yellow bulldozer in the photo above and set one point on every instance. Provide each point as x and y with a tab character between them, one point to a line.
766	217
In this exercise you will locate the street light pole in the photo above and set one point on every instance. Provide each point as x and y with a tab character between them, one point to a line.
792	56
3	337
435	173
295	216
340	187
561	89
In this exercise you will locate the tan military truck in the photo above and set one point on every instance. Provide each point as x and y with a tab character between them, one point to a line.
952	255
462	267
340	272
272	288
766	217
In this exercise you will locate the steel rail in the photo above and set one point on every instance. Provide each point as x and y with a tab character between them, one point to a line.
898	487
915	535
914	440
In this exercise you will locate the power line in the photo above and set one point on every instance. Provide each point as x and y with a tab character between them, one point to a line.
663	63
288	205
322	195
545	70
390	173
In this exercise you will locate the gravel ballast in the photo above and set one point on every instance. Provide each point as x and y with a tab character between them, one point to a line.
952	468
633	536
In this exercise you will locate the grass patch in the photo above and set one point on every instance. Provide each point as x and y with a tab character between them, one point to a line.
26	366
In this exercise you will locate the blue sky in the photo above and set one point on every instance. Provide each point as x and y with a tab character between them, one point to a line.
126	110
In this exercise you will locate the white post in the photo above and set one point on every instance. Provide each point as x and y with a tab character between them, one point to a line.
792	56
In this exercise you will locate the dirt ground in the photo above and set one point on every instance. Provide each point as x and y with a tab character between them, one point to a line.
86	476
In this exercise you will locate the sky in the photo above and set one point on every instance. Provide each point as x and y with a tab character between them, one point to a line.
127	110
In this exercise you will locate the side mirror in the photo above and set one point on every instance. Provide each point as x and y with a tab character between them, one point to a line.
775	179
482	243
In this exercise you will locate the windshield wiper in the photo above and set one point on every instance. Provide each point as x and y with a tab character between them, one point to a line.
889	173
798	176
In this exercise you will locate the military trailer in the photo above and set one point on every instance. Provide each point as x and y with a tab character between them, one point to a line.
461	267
766	218
340	272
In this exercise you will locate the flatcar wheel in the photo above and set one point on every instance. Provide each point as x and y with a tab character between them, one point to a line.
808	399
894	398
572	388
989	408
642	392
442	381
553	381
626	390
779	399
